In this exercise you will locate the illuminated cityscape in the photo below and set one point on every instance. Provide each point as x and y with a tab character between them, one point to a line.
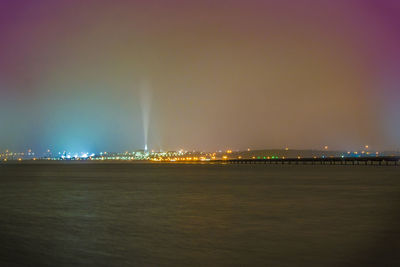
190	156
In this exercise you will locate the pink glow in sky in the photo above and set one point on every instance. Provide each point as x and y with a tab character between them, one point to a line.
237	74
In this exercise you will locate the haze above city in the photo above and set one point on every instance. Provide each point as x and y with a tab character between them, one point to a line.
199	75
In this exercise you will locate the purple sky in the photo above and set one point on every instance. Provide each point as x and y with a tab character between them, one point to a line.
217	74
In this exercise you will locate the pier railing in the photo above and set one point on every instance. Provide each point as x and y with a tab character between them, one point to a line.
380	161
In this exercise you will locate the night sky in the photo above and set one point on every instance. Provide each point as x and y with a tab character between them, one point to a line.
82	75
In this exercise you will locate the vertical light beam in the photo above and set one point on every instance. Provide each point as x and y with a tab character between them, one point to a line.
145	102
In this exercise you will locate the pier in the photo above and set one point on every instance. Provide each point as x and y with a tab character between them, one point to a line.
378	161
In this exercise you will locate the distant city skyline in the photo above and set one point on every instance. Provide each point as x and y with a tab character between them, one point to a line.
365	151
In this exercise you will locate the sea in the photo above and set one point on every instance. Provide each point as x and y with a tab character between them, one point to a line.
155	214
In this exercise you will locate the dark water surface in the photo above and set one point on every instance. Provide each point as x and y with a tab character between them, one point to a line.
180	215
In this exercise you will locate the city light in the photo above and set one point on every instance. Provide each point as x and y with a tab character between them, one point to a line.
182	155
